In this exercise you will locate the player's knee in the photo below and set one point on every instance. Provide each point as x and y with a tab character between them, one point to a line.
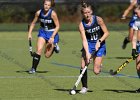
47	56
39	52
138	67
97	70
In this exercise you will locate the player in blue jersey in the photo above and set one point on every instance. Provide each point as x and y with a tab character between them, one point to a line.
48	32
134	17
93	32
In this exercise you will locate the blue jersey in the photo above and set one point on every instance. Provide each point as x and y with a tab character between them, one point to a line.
46	21
138	2
47	26
93	32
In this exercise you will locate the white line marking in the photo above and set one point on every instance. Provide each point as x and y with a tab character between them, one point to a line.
41	76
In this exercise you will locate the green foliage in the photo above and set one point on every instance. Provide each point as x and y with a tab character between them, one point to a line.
67	13
10	13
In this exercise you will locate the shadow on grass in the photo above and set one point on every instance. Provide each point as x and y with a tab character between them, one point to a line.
28	71
121	91
68	90
117	57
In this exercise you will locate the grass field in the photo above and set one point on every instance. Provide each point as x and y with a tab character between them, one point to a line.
58	74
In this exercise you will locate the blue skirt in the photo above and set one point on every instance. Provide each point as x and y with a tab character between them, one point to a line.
47	34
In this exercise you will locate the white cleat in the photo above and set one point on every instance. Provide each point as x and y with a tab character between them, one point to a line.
32	71
83	90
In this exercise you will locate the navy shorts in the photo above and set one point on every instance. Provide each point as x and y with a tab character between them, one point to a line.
47	34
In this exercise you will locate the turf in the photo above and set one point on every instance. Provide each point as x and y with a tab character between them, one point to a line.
58	74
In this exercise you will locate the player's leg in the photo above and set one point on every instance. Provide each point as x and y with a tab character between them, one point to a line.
138	65
138	50
97	65
56	46
98	59
138	70
85	77
129	38
131	32
49	48
37	54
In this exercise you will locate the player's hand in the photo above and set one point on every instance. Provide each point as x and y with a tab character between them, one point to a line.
51	40
29	36
134	54
97	46
123	17
88	58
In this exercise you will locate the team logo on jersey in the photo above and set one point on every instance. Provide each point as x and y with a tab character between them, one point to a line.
45	21
93	30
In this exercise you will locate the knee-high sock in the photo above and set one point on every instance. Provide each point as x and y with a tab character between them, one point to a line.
84	78
36	59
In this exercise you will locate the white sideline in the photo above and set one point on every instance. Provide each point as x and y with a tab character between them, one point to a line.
37	76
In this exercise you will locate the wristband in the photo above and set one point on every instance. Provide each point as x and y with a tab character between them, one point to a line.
100	41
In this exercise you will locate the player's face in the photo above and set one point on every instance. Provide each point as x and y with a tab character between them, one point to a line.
47	5
87	13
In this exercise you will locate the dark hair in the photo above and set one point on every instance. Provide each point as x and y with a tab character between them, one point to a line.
84	5
52	2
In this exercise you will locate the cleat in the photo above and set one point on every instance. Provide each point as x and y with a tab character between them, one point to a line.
125	42
57	48
32	71
83	90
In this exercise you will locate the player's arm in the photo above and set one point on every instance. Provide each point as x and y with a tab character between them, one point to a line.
104	28
56	21
31	27
84	41
130	7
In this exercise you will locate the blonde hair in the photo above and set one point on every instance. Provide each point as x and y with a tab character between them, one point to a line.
52	2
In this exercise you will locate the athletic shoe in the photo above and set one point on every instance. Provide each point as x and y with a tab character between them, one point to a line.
83	90
56	48
32	71
138	90
125	42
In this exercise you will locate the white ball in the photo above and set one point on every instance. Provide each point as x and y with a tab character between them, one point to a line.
73	92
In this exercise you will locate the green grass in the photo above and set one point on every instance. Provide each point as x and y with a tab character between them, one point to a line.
53	81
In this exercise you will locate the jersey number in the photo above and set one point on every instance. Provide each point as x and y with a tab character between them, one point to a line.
94	36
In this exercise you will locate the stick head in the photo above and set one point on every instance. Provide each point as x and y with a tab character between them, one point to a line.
112	73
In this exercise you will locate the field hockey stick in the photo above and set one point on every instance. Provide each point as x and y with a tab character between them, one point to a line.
73	90
30	47
121	67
